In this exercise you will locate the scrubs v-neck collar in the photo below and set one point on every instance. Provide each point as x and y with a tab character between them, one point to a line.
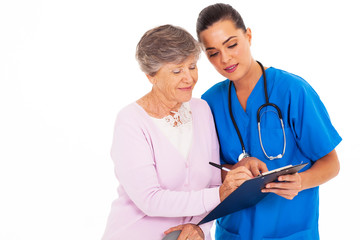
241	116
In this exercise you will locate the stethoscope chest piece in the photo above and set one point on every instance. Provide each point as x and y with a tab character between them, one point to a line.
242	156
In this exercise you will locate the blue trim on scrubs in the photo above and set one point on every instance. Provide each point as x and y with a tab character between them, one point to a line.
309	135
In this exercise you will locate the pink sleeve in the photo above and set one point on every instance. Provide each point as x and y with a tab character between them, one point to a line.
135	169
216	181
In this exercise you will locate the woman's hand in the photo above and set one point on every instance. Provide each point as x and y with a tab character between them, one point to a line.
233	180
188	232
288	186
253	164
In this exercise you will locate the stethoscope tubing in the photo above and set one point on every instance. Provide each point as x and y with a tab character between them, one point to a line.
266	105
258	117
233	121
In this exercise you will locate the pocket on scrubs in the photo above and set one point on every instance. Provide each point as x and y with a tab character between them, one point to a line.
303	235
223	234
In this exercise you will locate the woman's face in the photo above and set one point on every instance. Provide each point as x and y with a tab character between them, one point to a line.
175	82
228	49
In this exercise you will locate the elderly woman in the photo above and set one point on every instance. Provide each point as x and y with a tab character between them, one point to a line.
162	145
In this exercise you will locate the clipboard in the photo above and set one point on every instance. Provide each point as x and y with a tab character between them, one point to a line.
246	195
249	193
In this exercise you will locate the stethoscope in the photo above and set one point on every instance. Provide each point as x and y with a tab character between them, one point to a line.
244	154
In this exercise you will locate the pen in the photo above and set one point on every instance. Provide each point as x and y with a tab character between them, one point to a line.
218	166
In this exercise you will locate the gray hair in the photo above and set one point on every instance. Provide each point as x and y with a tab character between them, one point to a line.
165	44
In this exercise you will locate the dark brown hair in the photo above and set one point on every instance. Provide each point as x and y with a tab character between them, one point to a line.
218	12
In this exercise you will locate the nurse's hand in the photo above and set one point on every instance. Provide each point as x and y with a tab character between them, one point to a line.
188	231
253	164
288	186
233	180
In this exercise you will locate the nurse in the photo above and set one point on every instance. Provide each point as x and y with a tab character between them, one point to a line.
291	211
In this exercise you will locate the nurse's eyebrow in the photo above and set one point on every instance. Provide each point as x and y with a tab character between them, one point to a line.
228	39
210	48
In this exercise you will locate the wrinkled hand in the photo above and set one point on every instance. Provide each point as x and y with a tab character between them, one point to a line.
288	186
253	164
188	232
233	180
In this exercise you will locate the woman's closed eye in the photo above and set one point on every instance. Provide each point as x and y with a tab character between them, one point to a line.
233	45
176	71
192	67
213	54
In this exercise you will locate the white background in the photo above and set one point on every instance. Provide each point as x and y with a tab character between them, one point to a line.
67	67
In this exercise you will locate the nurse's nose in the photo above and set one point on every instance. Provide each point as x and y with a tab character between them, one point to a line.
225	58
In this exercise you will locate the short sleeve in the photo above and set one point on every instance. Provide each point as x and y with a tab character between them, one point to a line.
310	122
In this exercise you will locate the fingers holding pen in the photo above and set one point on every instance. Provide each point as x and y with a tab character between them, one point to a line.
241	172
253	164
233	180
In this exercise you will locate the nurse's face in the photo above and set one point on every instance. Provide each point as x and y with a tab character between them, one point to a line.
174	82
228	49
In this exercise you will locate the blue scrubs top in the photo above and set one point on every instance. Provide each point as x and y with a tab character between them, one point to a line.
309	136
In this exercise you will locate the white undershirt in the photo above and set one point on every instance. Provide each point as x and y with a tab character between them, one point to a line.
178	129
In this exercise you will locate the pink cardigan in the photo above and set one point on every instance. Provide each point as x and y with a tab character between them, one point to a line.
158	187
